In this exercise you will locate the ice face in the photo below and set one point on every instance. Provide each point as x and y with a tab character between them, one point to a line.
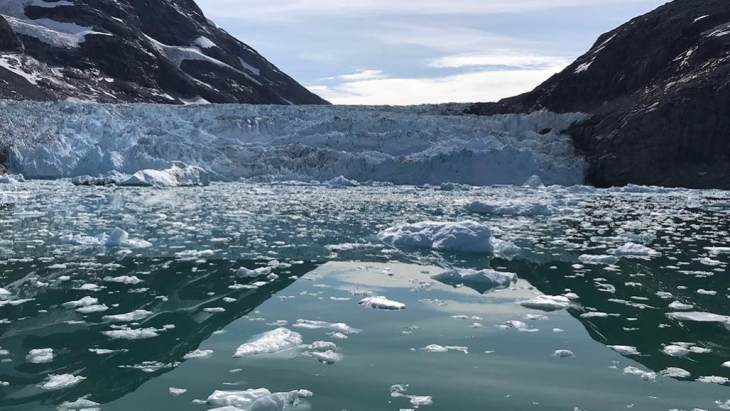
340	144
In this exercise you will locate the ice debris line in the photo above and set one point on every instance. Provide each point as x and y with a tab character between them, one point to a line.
232	142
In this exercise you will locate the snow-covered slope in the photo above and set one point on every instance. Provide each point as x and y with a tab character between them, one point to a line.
159	51
65	139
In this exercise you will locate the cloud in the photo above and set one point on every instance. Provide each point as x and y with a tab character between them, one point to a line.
360	75
481	85
497	58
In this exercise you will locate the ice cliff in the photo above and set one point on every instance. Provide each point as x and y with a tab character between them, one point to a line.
232	142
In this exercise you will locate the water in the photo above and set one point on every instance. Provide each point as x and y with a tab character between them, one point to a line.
200	238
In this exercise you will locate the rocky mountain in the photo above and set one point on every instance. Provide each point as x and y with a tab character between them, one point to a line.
162	51
658	90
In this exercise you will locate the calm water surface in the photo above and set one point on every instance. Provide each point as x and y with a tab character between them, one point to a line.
322	245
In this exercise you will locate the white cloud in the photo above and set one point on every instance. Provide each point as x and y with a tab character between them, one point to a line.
364	74
496	58
484	85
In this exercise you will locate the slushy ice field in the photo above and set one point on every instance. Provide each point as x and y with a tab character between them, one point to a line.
282	296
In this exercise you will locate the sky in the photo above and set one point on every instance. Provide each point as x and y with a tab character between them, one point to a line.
421	51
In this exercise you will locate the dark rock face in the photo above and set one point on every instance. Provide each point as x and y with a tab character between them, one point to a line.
658	89
161	51
8	40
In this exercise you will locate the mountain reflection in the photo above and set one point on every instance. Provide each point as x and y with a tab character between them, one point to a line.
175	291
637	312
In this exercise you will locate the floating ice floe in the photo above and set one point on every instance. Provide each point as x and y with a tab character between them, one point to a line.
547	303
316	325
680	306
259	399
510	208
249	273
83	302
674	372
90	309
198	354
624	349
178	175
270	342
698	316
435	348
400	391
563	354
464	237
124	279
324	352
598	259
382	303
120	238
645	375
81	404
176	392
481	281
341	182
714	379
60	381
40	355
635	250
135	315
132	333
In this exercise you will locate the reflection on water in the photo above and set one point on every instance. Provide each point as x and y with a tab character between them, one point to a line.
189	294
176	292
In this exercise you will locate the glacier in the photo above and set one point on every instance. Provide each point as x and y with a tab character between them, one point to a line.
400	145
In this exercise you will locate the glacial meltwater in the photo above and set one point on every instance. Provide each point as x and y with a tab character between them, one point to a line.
293	296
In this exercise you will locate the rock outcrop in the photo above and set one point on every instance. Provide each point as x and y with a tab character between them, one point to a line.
658	91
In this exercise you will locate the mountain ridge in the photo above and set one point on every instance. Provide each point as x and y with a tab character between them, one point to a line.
658	91
153	51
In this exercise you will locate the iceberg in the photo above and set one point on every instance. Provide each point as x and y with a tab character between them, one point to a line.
460	237
271	342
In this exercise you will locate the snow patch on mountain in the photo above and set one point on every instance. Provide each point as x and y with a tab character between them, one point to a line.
232	142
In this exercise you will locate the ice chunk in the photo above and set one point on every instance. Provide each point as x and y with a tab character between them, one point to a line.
645	375
435	348
124	279
198	354
547	302
135	315
271	342
259	399
635	250
314	325
598	259
534	182
60	381
176	392
178	175
510	208
132	333
382	303
81	404
400	391
464	237
624	349
563	354
83	302
478	280
341	182
674	372
698	316
40	355
120	238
